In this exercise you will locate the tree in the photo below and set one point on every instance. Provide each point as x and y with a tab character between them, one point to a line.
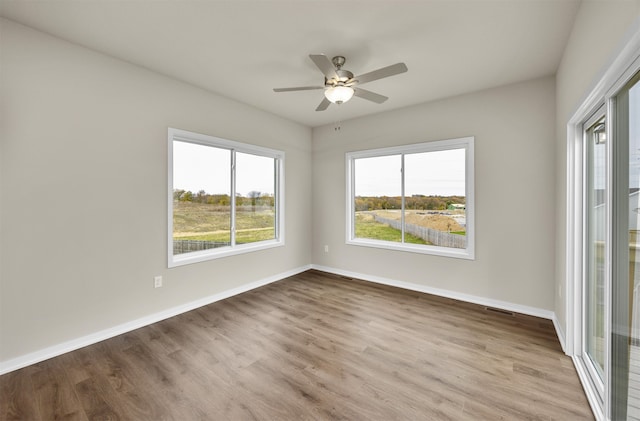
186	197
201	196
177	193
253	195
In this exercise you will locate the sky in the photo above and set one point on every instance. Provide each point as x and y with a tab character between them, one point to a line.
197	167
438	173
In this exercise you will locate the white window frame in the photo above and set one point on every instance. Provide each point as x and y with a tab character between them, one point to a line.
466	143
233	249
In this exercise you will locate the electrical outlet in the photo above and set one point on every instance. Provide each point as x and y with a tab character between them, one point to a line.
157	281
326	249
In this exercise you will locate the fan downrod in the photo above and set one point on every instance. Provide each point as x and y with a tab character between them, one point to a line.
338	61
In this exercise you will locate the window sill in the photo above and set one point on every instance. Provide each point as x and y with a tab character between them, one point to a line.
204	255
410	248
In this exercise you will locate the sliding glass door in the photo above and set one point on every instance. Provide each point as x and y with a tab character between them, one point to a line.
608	294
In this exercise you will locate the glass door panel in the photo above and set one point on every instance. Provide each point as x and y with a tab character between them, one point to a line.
595	247
625	327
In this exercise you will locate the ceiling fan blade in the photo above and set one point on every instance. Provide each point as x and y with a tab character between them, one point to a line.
371	96
325	65
299	88
323	105
392	70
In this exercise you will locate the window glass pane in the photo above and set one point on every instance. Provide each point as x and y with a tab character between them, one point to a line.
201	197
435	203
377	198
255	198
595	235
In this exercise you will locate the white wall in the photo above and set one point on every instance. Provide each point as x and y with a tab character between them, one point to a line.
83	181
598	34
514	159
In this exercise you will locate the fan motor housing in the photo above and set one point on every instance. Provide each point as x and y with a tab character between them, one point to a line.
343	77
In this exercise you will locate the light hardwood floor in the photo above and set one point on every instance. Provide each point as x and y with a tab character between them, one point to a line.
312	347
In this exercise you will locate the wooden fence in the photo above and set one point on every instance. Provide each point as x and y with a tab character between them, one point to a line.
435	237
187	246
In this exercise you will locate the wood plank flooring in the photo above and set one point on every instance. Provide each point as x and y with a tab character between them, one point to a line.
312	347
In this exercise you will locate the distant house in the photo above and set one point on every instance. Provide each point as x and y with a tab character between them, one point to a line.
457	206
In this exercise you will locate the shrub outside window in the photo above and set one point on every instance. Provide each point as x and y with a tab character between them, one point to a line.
224	198
416	198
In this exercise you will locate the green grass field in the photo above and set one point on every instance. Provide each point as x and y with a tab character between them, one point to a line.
367	227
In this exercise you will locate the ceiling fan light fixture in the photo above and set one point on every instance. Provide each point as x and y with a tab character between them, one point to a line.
339	83
339	94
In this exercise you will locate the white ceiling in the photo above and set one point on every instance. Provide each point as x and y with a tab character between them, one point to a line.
241	49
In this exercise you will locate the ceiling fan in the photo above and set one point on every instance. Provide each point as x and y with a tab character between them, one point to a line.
340	85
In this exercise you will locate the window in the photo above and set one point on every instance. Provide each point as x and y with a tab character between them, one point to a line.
224	198
416	198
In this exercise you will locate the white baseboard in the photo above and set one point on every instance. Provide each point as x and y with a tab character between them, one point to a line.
488	302
68	346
